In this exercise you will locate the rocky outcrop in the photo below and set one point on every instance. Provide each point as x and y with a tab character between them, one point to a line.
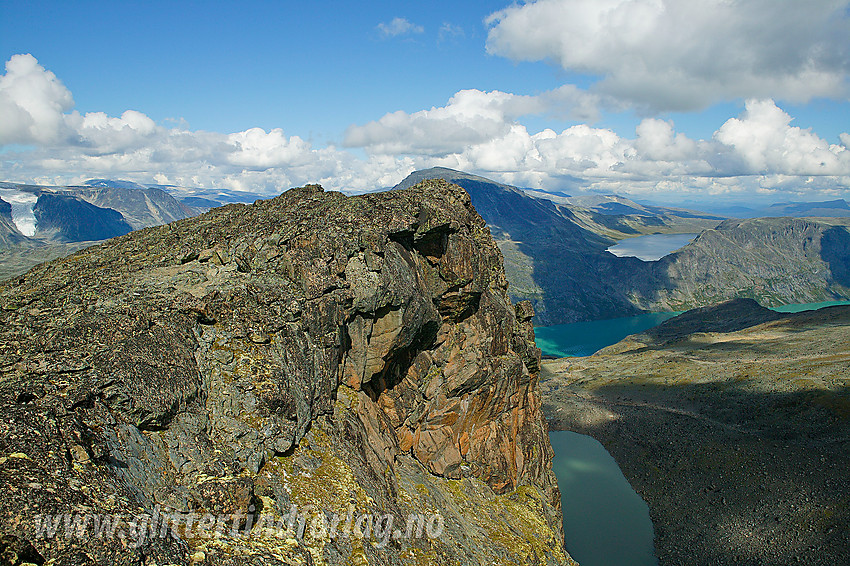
550	258
332	354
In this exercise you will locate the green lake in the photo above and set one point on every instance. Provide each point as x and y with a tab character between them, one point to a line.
605	522
585	338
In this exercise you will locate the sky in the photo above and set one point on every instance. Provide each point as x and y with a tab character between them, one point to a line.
673	101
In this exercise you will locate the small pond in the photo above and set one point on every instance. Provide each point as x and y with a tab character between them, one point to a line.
605	522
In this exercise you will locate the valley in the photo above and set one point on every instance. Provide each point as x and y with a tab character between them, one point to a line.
320	352
695	410
734	417
61	220
554	249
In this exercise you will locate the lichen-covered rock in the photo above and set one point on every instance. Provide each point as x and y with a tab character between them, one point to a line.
348	357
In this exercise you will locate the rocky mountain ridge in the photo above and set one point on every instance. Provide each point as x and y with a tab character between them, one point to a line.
773	260
555	247
312	350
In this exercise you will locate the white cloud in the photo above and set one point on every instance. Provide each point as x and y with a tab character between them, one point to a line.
470	117
100	134
766	142
685	55
32	103
71	147
257	149
480	132
450	31
44	141
399	26
657	141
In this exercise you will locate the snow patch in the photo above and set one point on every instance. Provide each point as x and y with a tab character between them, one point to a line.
22	204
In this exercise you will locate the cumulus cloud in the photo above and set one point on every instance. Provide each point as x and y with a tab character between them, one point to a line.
470	117
685	55
450	31
657	141
480	132
32	103
399	26
45	141
765	141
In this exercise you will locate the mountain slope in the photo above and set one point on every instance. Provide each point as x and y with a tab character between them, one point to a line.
66	218
139	207
555	254
9	234
71	215
774	260
550	259
832	208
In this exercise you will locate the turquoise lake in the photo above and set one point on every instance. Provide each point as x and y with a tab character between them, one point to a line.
585	338
605	522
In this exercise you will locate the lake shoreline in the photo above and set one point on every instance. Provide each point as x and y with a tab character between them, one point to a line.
739	461
607	522
579	339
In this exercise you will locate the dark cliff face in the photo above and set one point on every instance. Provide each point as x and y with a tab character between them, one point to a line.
140	207
310	350
5	210
70	219
560	266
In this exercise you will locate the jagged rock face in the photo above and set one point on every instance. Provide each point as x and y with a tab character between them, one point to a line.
314	349
9	233
5	210
139	207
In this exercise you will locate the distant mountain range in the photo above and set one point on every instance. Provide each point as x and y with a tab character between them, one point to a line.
555	253
554	245
69	218
195	198
837	208
61	219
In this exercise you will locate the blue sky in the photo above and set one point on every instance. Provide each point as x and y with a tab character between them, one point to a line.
665	100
